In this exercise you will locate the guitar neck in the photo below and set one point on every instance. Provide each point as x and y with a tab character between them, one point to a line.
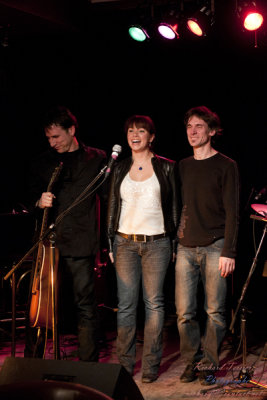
49	188
44	222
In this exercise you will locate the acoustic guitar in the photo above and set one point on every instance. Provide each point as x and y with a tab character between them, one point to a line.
41	307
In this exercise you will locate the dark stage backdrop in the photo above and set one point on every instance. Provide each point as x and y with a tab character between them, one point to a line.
104	79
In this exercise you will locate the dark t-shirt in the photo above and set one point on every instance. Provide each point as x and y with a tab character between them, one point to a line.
210	196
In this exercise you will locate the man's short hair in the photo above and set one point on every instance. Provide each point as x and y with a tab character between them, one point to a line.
60	116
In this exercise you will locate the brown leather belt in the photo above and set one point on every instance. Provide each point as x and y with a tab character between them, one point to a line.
141	238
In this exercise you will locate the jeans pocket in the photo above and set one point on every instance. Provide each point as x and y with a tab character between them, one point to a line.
119	240
218	244
165	241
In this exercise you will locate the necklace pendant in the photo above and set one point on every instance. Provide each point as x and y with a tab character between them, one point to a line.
140	168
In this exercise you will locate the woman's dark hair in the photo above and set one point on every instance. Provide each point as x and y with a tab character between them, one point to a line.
210	117
140	121
60	116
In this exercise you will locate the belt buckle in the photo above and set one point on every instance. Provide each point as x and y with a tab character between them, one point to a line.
135	238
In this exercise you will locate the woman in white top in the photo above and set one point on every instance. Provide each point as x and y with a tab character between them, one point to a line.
142	225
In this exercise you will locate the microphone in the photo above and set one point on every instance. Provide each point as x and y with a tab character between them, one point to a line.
260	193
116	150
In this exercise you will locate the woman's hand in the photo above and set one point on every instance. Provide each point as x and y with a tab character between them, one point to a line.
111	257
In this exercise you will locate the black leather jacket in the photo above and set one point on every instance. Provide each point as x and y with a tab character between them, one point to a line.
167	174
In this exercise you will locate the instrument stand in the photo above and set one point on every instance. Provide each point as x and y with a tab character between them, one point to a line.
13	344
244	374
263	355
52	258
38	340
50	233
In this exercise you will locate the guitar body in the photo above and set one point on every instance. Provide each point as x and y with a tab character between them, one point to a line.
41	307
42	303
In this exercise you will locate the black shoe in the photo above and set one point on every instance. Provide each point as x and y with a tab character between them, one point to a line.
149	378
207	377
189	374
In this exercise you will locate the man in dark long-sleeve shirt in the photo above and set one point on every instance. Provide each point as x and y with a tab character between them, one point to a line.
207	243
77	236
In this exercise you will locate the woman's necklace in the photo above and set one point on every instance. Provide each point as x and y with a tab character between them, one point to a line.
144	162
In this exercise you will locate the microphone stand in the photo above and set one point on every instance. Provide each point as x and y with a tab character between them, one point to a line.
245	374
50	233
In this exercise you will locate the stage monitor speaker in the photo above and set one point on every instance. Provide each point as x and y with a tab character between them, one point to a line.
110	379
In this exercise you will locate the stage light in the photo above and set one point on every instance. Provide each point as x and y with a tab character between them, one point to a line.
194	27
253	21
169	24
138	33
168	31
200	23
250	15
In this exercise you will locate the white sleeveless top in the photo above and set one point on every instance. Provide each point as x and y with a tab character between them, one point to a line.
141	211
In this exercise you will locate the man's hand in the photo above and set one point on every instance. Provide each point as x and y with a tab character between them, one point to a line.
46	200
227	266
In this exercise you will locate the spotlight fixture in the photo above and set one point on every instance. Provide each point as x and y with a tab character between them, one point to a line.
200	22
140	26
168	31
168	27
251	17
138	33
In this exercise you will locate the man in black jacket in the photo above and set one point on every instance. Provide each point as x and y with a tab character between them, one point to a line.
77	236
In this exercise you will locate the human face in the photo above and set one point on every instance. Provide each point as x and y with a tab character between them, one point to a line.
198	133
139	138
60	139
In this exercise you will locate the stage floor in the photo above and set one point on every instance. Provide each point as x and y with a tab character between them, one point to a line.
168	385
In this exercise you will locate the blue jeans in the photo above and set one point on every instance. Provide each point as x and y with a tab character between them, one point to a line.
191	265
137	262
